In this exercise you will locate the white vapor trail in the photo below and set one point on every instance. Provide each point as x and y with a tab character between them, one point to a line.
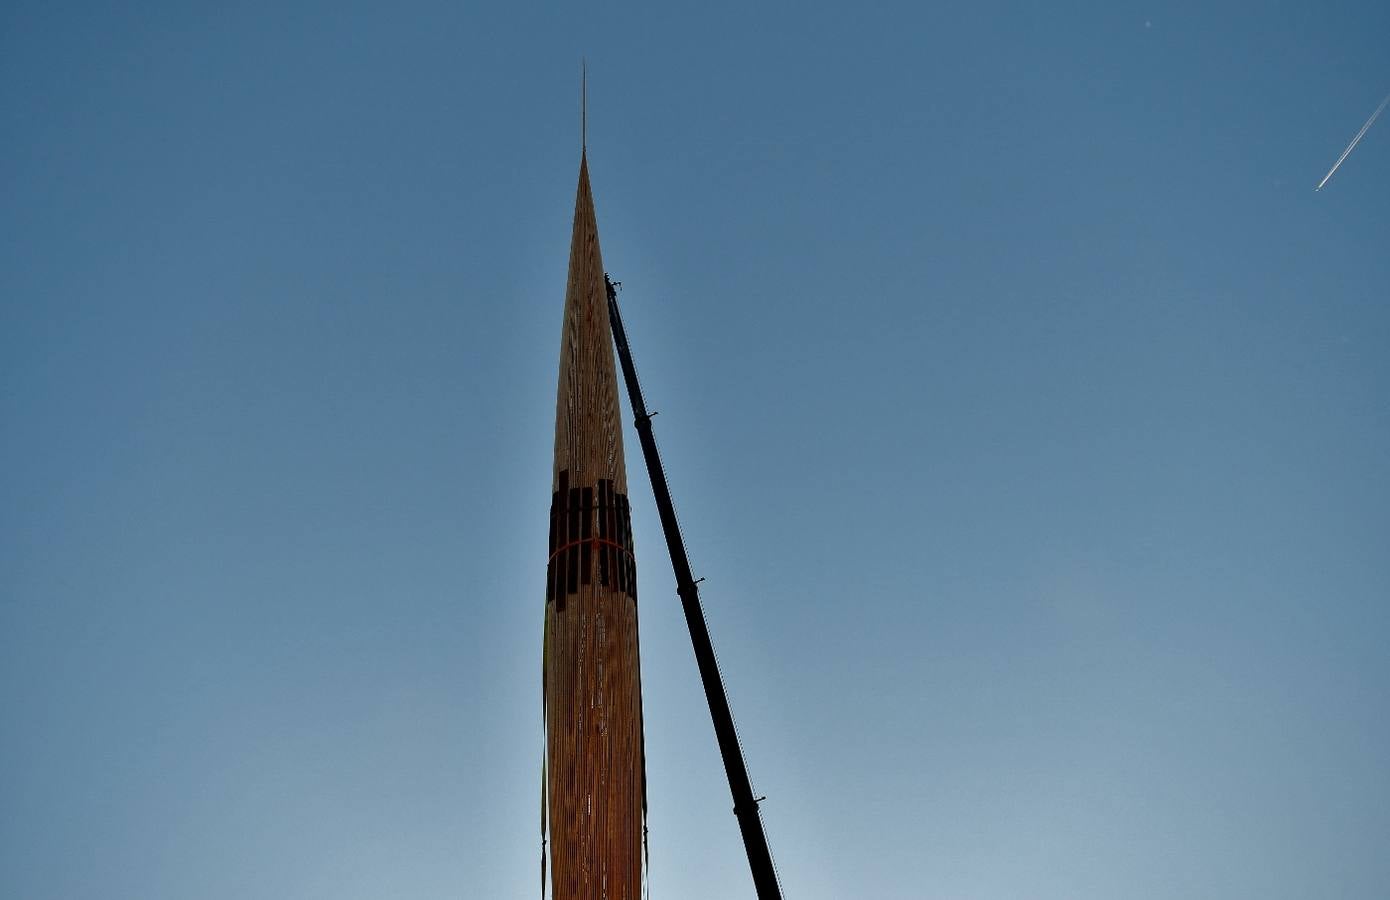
1354	141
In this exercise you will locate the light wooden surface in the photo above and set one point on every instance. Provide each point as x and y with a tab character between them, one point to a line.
592	682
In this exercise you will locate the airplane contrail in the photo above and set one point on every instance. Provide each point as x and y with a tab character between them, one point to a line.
1354	141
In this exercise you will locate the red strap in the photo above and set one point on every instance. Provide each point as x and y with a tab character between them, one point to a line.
592	540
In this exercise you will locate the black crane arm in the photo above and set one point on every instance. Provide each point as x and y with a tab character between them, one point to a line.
745	804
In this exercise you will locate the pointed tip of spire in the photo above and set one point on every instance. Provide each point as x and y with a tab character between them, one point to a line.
583	105
584	198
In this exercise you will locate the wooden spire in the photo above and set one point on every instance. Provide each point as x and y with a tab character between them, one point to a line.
592	681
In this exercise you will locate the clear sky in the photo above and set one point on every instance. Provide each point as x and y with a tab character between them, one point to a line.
1024	405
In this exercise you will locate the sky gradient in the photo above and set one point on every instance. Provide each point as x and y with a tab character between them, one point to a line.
1023	404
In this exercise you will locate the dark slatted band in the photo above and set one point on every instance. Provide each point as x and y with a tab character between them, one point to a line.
574	548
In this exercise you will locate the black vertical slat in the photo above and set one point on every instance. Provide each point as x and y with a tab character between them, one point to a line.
586	551
612	551
629	560
573	572
603	488
620	519
550	553
561	555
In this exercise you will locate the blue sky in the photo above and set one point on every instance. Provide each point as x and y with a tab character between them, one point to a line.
1023	404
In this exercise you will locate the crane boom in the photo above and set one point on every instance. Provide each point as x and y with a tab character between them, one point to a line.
745	804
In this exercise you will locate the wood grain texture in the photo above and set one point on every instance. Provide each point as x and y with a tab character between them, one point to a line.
591	679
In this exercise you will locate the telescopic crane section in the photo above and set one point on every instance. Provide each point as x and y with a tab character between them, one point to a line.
745	804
